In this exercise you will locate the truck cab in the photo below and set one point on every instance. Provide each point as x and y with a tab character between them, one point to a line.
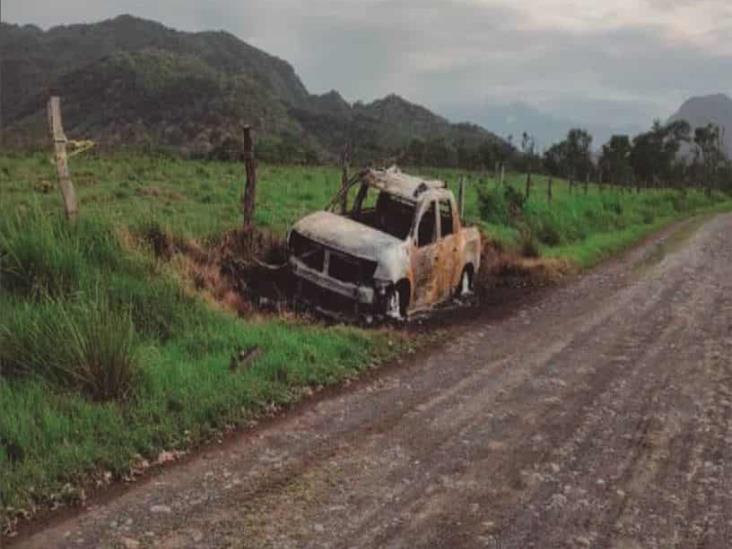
399	247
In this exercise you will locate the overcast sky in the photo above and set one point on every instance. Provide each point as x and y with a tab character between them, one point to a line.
616	63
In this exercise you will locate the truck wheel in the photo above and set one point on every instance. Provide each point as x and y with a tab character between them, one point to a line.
465	286
392	306
396	303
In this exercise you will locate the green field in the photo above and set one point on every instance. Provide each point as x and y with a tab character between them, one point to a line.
110	357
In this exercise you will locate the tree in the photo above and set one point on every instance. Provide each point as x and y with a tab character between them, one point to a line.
579	158
654	154
709	154
572	157
615	159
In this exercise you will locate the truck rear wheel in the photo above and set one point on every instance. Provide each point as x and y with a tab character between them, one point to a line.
392	308
396	302
465	286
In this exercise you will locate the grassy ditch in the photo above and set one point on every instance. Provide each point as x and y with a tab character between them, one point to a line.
110	348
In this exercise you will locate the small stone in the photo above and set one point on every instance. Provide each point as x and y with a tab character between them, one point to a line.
319	528
165	457
489	525
129	543
160	509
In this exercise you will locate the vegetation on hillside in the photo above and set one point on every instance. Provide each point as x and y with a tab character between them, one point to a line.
132	82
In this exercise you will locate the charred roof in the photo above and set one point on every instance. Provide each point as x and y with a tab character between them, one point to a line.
394	181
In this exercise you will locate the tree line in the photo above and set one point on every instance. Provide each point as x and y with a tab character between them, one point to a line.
667	155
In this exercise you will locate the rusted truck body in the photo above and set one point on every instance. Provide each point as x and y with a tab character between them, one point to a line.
400	248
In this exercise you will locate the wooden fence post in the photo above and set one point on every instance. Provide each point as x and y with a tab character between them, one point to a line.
503	173
250	189
68	194
528	185
345	165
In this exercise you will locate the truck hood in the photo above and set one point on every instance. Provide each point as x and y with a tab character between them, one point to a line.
345	235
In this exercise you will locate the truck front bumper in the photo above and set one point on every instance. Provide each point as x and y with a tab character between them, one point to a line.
330	294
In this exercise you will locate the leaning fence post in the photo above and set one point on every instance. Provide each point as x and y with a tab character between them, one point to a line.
68	194
250	189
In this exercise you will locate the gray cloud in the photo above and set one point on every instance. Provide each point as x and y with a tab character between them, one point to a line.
617	68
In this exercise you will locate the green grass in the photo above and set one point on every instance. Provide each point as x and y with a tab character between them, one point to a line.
105	355
584	228
193	199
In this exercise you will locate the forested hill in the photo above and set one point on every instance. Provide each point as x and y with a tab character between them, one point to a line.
136	82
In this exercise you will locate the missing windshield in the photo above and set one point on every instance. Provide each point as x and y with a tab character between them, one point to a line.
383	211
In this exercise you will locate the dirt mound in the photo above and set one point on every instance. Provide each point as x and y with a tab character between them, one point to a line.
499	268
239	271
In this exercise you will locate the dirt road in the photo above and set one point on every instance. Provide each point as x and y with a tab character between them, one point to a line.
597	416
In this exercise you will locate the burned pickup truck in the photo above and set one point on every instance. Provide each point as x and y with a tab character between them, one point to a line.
399	248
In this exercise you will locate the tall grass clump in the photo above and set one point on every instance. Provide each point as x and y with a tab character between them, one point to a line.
43	255
84	344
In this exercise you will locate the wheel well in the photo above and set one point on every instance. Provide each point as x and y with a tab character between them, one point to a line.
404	288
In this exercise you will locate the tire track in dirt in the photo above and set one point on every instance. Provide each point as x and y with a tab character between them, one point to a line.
582	405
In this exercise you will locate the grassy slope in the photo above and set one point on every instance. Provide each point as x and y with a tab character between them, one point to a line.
183	388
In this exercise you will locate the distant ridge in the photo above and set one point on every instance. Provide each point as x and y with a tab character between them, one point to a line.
132	81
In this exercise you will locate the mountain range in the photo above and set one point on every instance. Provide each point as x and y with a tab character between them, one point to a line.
132	81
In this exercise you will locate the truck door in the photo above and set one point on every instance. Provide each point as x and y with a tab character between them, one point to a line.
425	257
449	252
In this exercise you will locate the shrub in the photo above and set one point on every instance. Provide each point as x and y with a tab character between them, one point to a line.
83	344
515	201
492	206
549	234
500	206
528	244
